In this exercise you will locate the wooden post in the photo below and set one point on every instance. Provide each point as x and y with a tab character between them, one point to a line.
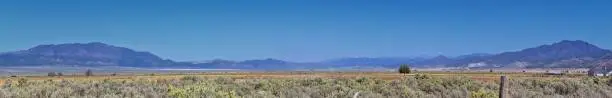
501	86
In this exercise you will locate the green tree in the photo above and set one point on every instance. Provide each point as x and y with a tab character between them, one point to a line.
51	74
404	69
88	72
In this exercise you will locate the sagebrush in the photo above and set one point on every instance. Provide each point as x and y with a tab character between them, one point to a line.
420	86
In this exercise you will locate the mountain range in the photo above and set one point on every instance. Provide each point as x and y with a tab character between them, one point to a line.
563	54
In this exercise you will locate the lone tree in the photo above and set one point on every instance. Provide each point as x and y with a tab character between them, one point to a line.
404	69
88	72
12	75
51	74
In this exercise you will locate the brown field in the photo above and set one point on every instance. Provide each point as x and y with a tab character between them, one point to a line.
480	76
307	84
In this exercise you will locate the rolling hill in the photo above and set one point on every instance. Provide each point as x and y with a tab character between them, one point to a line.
82	54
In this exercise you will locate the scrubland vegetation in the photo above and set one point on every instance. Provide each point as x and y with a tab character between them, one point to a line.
409	86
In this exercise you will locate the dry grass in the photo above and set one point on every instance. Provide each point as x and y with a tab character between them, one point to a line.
480	76
308	85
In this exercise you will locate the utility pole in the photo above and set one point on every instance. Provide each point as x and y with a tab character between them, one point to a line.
605	71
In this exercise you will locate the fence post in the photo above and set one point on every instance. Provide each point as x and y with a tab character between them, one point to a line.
501	86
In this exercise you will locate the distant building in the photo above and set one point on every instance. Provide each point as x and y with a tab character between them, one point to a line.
599	71
604	74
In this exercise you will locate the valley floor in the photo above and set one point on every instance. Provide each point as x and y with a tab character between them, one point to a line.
307	85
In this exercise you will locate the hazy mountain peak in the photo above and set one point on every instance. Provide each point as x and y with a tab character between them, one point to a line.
94	53
566	48
440	57
267	60
573	42
97	44
91	45
220	62
473	55
545	55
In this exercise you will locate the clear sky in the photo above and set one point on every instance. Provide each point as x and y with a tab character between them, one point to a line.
305	30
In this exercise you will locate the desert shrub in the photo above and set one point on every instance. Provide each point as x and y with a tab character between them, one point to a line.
586	88
609	82
422	76
191	78
224	80
7	83
22	82
418	86
483	94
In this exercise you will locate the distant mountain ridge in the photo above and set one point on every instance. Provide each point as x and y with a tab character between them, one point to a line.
544	55
566	54
87	54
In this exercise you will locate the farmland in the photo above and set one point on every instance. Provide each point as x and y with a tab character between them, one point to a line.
306	85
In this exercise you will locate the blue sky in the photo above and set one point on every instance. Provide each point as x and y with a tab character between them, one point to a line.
305	30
